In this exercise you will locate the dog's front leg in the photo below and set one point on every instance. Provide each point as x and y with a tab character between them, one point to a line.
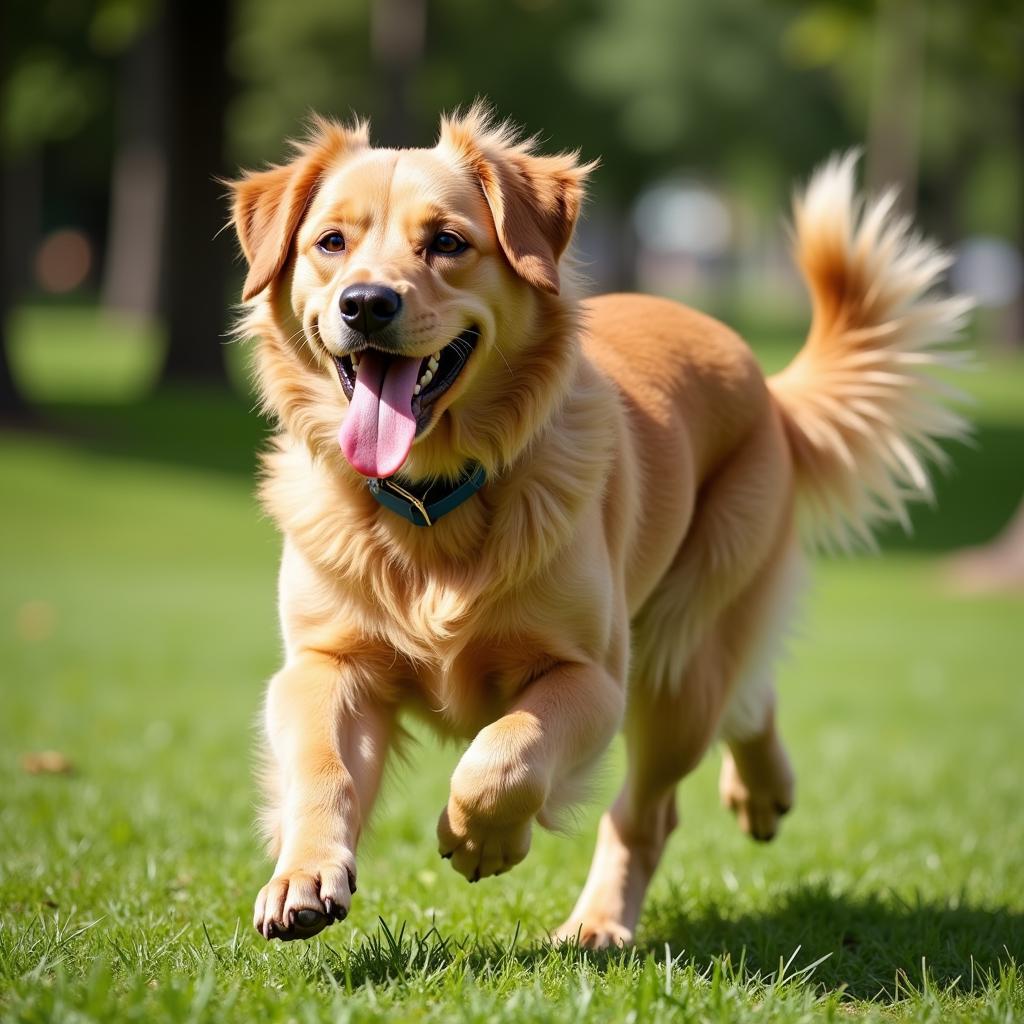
523	762
328	750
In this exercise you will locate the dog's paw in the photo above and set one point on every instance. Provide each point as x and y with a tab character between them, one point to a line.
496	792
758	811
477	847
299	903
597	931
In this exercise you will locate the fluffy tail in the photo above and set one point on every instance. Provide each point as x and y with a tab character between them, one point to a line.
862	408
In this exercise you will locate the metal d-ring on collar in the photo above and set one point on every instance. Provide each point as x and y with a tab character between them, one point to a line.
400	499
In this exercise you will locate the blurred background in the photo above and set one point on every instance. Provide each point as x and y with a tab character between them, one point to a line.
119	115
137	604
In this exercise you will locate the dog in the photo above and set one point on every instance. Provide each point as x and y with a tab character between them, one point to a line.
535	520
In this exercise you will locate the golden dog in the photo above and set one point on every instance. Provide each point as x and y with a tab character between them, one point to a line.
536	520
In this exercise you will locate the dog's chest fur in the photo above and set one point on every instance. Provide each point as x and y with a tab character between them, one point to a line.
457	656
451	635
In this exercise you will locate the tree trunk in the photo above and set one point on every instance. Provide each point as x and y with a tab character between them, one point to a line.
193	293
131	272
397	37
895	116
12	404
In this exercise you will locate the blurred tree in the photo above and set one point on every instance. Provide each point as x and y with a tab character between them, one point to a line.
706	87
938	90
194	280
291	61
138	187
12	405
397	34
58	114
974	133
363	57
894	117
49	93
11	402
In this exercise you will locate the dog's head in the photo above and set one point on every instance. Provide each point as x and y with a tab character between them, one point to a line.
424	284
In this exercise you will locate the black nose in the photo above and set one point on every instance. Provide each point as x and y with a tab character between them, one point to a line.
369	307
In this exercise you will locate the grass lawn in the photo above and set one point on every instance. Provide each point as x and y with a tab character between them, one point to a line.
137	625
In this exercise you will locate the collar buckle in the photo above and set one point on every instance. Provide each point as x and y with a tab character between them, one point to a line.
398	499
389	484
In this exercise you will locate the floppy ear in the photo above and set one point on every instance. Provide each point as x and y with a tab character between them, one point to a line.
268	206
534	200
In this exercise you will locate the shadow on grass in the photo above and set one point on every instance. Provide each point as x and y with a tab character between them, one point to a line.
871	949
222	432
207	429
869	941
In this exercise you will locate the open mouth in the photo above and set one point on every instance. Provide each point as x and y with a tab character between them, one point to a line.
437	372
391	398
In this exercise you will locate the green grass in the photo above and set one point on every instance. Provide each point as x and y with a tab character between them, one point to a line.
137	626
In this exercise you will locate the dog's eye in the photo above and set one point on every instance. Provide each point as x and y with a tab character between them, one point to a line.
333	241
447	243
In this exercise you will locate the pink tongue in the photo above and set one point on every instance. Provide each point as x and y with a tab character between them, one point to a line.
379	427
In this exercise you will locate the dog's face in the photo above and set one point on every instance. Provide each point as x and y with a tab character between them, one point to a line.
419	278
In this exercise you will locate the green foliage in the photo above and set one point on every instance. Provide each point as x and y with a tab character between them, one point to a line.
58	80
293	63
750	93
703	86
628	82
648	86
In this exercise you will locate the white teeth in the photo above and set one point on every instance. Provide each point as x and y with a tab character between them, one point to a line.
426	377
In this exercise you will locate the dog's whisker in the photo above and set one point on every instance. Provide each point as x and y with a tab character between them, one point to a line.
497	348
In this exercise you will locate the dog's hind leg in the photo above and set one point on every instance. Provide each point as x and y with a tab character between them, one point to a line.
756	782
667	733
668	729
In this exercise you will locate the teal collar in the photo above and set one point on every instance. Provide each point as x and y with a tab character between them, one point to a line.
404	501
